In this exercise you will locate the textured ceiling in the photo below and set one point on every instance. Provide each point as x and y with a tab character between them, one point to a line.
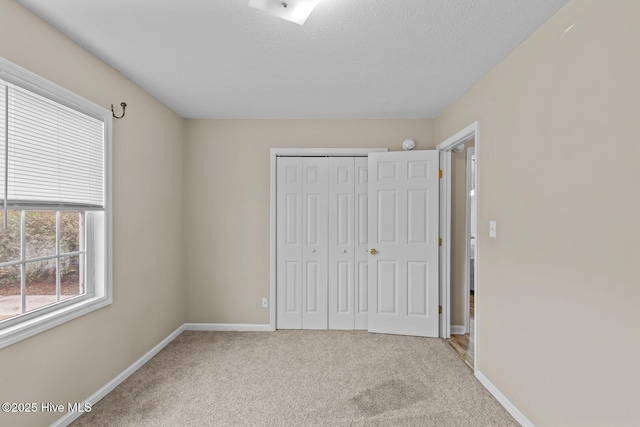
352	58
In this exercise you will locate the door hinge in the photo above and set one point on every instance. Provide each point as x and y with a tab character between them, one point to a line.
440	173
439	309
439	241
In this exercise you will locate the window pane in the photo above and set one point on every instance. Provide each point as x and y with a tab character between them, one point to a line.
71	281
10	237
41	284
40	233
69	232
9	292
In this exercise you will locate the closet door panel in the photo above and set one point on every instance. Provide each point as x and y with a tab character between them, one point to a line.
314	242
289	243
361	249
341	243
322	275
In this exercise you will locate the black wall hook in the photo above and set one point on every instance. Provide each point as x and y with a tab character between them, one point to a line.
123	105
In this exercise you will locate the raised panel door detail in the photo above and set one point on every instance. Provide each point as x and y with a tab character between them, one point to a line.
345	218
387	287
363	212
292	202
363	284
387	218
313	287
291	285
343	175
312	175
387	170
313	217
292	174
362	175
417	288
418	169
344	287
417	213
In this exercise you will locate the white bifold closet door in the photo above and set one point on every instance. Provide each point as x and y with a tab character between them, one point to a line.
314	242
289	243
361	228
321	243
348	243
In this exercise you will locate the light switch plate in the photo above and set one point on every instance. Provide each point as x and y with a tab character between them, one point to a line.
492	229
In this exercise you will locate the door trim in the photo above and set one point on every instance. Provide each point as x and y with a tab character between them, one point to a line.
465	135
471	151
295	152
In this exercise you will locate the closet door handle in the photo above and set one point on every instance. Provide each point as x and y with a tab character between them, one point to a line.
344	251
373	251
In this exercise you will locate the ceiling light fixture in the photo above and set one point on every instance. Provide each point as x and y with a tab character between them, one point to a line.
290	10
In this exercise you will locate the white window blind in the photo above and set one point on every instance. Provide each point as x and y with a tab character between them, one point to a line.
54	155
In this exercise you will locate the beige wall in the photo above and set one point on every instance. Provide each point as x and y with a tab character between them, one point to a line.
558	154
227	200
558	169
70	362
458	234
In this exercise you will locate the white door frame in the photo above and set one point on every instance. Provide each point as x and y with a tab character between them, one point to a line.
465	135
296	152
471	151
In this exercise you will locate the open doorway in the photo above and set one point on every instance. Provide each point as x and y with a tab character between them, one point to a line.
463	236
459	266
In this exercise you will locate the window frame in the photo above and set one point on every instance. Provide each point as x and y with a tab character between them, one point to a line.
99	229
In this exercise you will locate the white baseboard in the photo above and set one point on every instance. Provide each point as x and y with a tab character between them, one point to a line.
227	327
458	330
69	417
510	407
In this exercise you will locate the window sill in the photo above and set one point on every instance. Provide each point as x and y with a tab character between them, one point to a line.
29	328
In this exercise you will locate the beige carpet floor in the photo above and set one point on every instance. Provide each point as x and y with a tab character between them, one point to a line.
300	378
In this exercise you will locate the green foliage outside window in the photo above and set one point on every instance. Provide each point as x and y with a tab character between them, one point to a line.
40	241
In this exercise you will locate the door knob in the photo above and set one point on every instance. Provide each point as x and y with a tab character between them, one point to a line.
313	250
344	251
373	251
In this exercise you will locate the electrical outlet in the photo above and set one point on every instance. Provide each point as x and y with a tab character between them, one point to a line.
265	302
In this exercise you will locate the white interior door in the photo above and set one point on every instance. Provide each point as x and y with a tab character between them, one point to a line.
403	240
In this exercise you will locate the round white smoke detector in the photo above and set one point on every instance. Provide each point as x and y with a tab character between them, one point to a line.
408	144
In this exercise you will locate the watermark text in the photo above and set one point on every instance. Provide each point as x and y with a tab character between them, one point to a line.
33	407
